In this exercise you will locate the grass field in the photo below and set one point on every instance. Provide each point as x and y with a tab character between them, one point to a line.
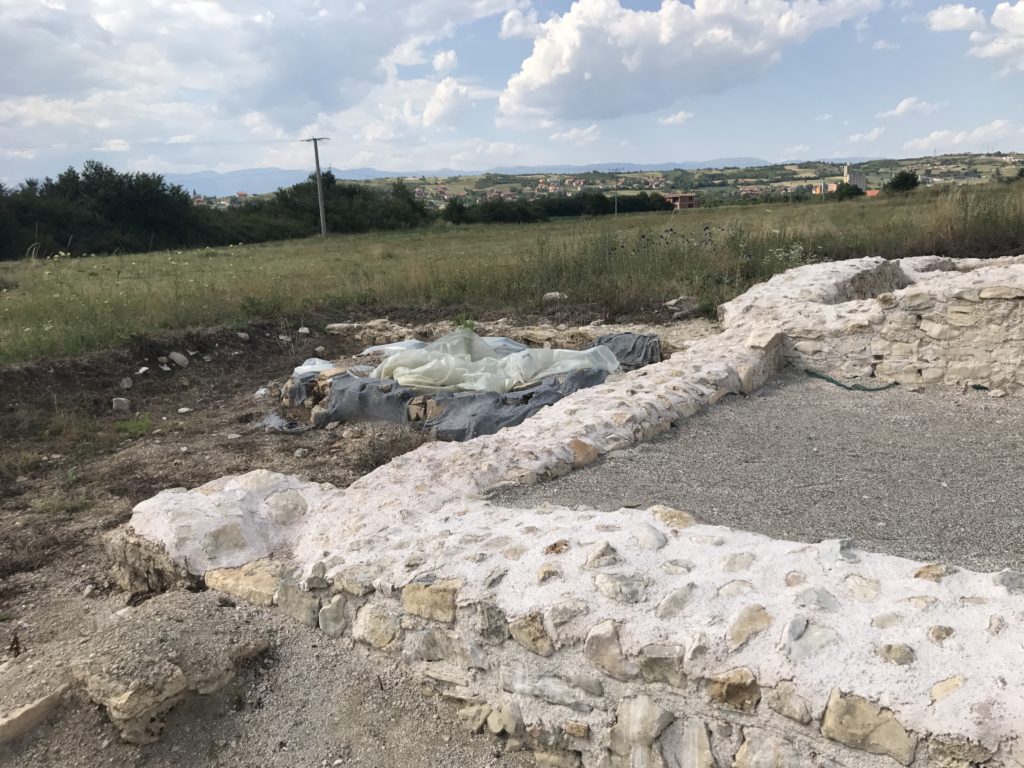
66	307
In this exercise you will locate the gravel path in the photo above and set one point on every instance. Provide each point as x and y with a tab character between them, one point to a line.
935	475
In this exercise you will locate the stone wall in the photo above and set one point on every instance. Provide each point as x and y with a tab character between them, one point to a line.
636	637
919	321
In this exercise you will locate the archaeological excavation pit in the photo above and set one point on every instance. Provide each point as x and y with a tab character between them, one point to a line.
609	636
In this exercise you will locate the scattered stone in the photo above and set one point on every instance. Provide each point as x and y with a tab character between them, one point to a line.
663	664
677	567
557	547
673	518
563	612
862	589
121	405
375	626
297	604
178	359
736	689
953	752
738	561
648	537
138	673
856	722
242	335
622	588
507	719
673	603
432	601
886	620
603	555
943	688
492	624
529	632
126	383
333	618
761	749
558	758
301	453
694	747
19	721
735	588
821	599
303	331
474	717
751	621
784	699
602	649
548	571
795	579
583	453
935	571
940	634
897	653
801	639
639	722
551	298
184	409
996	624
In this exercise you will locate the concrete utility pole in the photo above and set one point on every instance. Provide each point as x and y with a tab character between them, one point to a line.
319	181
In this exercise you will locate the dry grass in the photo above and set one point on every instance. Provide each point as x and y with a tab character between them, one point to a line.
58	308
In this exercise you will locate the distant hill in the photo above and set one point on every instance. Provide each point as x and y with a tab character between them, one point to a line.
258	181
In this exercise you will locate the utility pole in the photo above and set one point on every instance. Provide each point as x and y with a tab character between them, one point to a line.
319	181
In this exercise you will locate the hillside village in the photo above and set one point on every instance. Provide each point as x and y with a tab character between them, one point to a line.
697	188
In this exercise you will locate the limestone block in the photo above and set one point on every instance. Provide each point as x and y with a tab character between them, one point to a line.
19	721
254	582
296	603
761	749
663	664
530	633
375	625
735	689
639	722
603	650
432	601
856	722
333	617
784	699
751	621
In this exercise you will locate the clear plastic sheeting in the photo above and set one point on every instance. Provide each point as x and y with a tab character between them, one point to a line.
465	362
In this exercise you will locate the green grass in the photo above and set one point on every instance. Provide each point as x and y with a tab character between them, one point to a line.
66	307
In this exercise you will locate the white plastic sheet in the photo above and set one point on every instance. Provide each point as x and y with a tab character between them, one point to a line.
465	362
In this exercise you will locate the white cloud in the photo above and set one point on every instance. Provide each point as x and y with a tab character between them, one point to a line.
520	23
1000	38
600	60
862	138
910	105
952	18
885	45
577	135
964	140
823	118
446	98
445	61
114	145
677	119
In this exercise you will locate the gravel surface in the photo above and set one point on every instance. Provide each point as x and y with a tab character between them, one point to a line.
935	475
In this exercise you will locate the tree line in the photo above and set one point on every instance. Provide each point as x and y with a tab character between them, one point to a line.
102	210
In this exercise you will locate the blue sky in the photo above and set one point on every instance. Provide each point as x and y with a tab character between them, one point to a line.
181	85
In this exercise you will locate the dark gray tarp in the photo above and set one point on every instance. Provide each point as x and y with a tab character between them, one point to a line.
453	416
632	350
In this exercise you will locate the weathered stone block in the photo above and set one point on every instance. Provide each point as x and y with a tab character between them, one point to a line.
856	722
432	601
735	689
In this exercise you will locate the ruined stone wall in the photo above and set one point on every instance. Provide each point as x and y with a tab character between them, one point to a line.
635	637
920	321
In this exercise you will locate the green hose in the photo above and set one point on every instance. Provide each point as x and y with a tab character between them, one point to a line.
850	387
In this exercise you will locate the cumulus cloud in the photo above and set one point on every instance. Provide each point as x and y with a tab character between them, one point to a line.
577	135
600	60
677	119
885	45
964	140
445	61
999	38
823	118
951	18
447	97
520	23
910	105
862	138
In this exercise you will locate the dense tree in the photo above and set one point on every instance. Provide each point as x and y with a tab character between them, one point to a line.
846	191
904	181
